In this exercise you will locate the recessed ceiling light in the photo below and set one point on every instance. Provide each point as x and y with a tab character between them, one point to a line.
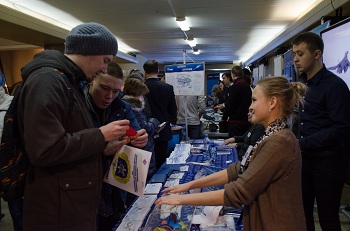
182	23
196	51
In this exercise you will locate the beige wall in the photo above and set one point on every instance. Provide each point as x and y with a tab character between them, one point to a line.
13	61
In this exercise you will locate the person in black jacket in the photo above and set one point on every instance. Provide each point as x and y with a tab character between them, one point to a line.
250	138
237	104
161	99
323	130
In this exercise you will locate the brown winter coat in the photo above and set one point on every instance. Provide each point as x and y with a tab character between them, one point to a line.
64	181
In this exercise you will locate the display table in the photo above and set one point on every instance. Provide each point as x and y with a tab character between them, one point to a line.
164	173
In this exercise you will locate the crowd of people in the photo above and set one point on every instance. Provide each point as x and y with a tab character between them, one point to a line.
283	174
71	143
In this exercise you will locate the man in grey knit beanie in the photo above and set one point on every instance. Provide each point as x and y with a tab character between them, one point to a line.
63	144
91	39
92	47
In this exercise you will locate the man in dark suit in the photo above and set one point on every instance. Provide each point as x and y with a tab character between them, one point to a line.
161	99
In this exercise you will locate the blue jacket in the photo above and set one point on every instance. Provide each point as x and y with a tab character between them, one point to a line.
110	202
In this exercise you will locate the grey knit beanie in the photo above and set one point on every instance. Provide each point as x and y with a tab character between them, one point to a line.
91	39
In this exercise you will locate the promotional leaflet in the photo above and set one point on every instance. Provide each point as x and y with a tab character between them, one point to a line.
128	170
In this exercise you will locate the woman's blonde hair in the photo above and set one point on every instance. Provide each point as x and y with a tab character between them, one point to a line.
291	94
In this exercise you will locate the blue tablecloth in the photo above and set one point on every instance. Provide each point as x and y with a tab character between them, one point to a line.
222	162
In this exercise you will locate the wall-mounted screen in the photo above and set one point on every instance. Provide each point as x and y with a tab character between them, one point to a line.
336	49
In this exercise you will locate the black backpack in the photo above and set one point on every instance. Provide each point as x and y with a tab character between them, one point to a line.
14	161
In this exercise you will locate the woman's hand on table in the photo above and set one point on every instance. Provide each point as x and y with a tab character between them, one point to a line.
219	106
229	140
177	188
171	199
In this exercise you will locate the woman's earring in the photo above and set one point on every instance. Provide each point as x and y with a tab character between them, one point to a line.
269	109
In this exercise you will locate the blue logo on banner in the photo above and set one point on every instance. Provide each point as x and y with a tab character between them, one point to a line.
183	81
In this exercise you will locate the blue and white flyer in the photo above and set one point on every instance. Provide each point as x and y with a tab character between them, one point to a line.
128	170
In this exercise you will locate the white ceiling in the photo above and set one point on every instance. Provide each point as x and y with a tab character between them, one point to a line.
226	31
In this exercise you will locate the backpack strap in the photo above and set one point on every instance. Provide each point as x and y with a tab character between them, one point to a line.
70	94
68	85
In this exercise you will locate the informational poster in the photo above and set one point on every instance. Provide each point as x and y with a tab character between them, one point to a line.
187	79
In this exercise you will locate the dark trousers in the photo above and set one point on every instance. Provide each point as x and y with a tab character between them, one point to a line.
160	150
237	129
16	211
322	179
107	223
194	131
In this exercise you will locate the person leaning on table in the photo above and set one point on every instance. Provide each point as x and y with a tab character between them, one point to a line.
268	184
242	143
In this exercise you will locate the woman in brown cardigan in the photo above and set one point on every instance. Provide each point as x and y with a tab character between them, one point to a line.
267	182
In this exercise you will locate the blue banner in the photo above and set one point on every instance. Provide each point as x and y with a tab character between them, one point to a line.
212	81
288	69
184	67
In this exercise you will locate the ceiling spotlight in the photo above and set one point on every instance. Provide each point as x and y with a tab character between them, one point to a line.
196	51
182	23
191	42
